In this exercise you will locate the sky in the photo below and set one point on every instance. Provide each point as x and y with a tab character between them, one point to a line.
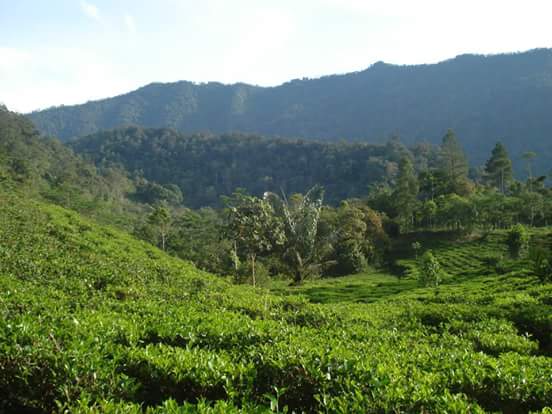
55	52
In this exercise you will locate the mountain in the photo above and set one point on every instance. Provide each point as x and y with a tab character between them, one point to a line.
483	98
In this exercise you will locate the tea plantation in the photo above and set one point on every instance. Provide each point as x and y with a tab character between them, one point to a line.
93	321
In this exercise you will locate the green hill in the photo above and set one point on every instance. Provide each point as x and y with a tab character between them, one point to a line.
483	98
95	321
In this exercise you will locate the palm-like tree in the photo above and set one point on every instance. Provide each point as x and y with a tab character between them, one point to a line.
301	228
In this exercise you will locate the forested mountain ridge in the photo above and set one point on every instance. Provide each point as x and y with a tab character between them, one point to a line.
205	166
483	98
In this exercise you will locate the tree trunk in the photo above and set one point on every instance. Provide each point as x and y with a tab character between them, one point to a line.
235	259
253	277
297	277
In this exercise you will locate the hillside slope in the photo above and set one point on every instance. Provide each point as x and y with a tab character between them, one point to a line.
483	98
95	321
44	168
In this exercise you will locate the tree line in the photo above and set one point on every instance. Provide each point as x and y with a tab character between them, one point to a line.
301	235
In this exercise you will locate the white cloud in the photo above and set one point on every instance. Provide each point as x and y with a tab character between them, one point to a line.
130	24
39	81
12	58
90	10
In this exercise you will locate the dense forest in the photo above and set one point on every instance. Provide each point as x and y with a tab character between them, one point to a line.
205	166
483	98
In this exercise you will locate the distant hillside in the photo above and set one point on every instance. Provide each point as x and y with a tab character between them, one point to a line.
483	98
207	166
45	169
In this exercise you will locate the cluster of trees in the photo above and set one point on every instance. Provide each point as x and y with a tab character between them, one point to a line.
256	237
424	187
446	193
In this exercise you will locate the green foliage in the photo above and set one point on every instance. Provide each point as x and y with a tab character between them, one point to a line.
406	193
44	168
495	262
498	168
161	220
453	164
431	273
153	193
518	241
93	321
300	225
253	227
204	167
541	260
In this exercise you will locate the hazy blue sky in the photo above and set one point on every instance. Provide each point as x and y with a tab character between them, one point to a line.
69	51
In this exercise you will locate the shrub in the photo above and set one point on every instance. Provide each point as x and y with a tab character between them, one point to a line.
518	240
541	261
430	270
495	262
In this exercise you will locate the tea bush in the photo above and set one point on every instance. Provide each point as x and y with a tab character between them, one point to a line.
93	321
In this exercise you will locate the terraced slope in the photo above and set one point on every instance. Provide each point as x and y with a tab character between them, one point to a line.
94	321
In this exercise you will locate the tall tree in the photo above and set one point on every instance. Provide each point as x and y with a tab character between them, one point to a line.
351	230
498	168
453	162
529	156
301	229
406	192
161	219
253	226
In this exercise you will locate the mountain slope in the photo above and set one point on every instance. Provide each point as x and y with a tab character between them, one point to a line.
484	98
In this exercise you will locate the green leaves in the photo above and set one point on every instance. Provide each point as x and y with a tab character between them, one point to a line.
93	321
431	273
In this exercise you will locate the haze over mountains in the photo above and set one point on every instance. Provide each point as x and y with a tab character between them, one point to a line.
483	98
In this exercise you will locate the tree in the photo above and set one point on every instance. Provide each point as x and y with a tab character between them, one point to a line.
161	219
416	246
453	163
253	227
498	168
529	156
428	212
350	249
406	192
533	205
301	229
